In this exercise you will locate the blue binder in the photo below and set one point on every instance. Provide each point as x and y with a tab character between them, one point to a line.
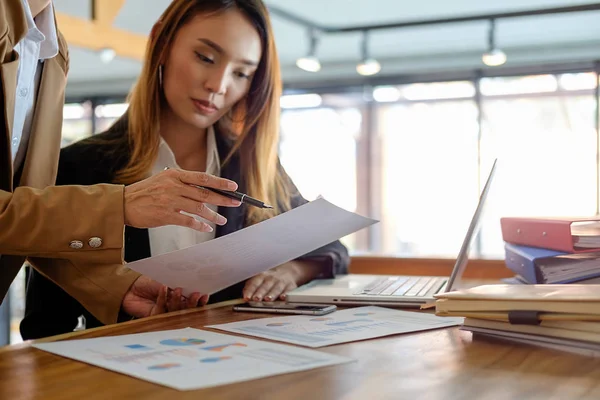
526	261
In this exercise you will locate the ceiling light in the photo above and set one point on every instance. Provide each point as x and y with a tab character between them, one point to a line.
307	100
494	56
367	66
384	94
310	63
107	54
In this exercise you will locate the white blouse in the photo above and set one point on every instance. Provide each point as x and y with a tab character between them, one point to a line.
169	238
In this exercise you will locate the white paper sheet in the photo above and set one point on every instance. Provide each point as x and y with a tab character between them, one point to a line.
340	326
219	263
188	359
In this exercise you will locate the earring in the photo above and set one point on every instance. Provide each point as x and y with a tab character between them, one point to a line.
160	79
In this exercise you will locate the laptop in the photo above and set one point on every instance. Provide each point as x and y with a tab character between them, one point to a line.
405	291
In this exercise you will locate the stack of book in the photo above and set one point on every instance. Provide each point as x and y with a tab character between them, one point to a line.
552	251
562	317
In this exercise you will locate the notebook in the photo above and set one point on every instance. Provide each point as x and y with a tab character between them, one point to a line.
565	298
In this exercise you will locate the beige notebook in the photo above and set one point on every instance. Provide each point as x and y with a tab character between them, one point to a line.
578	331
503	316
568	298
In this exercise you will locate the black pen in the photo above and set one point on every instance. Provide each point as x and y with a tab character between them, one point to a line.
242	197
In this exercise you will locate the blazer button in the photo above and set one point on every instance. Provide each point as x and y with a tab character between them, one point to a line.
76	244
95	242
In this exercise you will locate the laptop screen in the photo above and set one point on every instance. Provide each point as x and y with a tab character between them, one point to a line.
463	254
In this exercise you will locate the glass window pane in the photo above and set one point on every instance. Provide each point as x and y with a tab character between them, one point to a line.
429	168
107	114
547	160
425	91
518	85
579	81
318	151
77	122
17	306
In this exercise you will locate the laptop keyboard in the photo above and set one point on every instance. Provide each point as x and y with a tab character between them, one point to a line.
402	286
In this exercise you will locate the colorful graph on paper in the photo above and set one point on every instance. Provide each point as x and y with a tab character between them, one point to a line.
339	327
187	359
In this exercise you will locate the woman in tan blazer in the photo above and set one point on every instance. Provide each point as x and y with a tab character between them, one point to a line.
72	235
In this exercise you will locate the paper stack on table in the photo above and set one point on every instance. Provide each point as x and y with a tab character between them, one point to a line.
564	317
219	263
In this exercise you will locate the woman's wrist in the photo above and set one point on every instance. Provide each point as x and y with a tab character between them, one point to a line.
304	271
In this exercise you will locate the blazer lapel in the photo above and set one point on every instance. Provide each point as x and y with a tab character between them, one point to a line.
9	87
9	60
231	170
41	161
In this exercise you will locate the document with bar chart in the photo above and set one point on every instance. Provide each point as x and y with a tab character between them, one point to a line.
340	326
187	359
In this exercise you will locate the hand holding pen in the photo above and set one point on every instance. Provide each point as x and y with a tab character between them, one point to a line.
242	197
170	198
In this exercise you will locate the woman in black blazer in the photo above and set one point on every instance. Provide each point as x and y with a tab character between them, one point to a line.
209	90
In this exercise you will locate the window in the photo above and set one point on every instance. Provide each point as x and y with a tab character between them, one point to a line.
107	114
77	122
416	155
546	145
318	150
429	170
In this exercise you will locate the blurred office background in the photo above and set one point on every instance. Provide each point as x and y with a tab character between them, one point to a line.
410	141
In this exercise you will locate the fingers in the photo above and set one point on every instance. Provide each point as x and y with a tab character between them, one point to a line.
288	288
276	290
190	222
161	301
202	210
174	302
202	195
193	300
251	286
204	300
267	285
204	179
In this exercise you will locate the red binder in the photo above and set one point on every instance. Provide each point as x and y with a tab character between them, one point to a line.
572	235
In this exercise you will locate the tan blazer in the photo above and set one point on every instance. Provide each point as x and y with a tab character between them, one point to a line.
52	226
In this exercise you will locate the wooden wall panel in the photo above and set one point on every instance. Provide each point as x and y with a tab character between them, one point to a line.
476	269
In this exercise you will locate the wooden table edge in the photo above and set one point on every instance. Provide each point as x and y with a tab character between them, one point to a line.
72	335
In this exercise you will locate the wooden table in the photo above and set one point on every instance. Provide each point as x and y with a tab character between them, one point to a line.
442	364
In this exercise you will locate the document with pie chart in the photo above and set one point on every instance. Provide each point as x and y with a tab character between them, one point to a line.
340	326
188	359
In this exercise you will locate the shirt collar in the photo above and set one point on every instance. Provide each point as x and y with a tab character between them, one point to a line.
42	30
166	158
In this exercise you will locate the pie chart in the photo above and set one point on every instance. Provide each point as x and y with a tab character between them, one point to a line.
278	324
163	366
182	342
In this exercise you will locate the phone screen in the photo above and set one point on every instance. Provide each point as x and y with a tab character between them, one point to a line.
283	307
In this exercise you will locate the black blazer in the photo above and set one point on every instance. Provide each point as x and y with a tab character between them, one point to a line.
49	310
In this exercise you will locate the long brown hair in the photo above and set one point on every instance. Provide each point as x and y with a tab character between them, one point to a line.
253	122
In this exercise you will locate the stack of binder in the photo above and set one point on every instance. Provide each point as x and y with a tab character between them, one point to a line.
552	251
562	317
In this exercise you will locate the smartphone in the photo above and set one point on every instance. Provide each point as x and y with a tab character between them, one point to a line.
281	307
